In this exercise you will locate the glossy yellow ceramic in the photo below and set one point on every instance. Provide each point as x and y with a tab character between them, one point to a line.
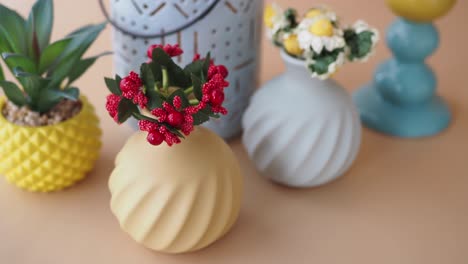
176	199
49	158
421	10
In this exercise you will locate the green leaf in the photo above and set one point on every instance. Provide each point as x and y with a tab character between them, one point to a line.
177	75
40	23
197	87
147	76
31	84
200	118
206	65
15	27
51	53
126	110
72	54
5	41
80	30
2	76
51	97
17	60
13	93
113	86
83	40
82	66
156	69
195	68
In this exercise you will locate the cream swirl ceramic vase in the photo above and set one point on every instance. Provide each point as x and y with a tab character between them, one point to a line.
176	199
301	131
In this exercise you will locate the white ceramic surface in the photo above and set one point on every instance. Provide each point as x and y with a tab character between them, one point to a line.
231	31
301	131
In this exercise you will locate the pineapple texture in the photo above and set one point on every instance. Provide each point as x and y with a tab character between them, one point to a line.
50	158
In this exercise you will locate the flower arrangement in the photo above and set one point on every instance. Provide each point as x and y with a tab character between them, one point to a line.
318	38
167	100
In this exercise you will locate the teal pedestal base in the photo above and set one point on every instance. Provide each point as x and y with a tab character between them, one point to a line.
414	121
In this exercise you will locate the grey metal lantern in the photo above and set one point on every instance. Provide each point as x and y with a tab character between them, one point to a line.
229	29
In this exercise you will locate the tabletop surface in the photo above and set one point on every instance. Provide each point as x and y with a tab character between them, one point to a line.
403	201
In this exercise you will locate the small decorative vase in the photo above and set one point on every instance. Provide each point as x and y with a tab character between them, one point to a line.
402	100
301	131
50	158
230	30
176	199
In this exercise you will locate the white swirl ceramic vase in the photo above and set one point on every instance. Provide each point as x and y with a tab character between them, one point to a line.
176	199
230	30
301	131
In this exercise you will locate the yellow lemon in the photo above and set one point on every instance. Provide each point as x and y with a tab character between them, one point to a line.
314	13
291	45
268	16
322	27
421	10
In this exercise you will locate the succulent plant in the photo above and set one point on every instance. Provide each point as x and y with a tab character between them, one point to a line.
44	70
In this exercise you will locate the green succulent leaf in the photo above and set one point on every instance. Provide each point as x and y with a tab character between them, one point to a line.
40	23
126	110
14	29
2	76
14	60
156	69
51	53
72	54
13	93
82	66
51	97
5	41
197	87
179	78
113	86
31	84
82	40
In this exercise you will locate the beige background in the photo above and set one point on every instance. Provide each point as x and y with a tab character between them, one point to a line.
404	201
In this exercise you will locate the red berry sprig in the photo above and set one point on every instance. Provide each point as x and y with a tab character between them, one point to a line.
167	100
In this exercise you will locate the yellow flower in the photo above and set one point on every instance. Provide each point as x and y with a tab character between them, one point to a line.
314	12
269	16
322	27
291	45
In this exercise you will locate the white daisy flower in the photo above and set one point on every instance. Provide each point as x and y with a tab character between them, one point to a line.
318	33
322	11
275	20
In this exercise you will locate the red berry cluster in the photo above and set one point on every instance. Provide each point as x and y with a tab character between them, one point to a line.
173	116
171	50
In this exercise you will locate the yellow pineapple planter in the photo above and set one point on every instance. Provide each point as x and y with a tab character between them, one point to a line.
50	158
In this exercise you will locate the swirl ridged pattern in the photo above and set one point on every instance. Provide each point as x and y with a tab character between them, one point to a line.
176	199
50	158
302	132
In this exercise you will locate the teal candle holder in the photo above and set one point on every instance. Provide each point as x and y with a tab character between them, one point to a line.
401	100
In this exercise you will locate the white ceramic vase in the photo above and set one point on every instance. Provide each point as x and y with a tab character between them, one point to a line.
301	131
230	30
